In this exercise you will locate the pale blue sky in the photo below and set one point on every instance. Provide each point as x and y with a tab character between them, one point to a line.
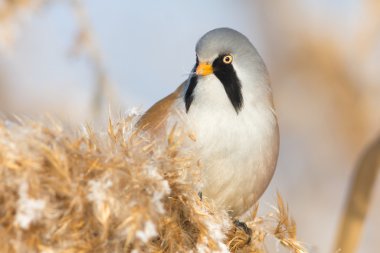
148	46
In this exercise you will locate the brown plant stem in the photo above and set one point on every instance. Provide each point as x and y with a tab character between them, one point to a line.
358	200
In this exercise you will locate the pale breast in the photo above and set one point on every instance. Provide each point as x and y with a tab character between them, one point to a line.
238	152
238	156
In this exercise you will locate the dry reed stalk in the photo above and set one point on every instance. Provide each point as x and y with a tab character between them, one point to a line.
86	46
3	93
358	200
66	191
11	13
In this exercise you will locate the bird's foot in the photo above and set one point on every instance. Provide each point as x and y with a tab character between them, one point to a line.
243	226
200	195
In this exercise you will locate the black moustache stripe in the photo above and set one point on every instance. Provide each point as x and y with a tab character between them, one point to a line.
231	83
189	96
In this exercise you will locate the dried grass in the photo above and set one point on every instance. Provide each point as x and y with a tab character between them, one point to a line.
66	191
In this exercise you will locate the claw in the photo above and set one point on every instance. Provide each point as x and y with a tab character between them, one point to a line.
243	226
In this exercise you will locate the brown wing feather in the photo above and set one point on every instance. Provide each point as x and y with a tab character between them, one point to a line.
154	119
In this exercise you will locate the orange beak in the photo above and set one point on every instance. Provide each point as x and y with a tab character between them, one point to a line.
204	69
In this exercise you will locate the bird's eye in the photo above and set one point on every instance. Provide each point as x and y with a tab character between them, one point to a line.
227	59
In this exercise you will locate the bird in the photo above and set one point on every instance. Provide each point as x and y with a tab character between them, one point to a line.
226	103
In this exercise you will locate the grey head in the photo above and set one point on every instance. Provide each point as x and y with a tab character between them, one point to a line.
232	58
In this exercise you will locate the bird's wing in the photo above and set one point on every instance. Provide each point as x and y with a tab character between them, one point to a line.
154	120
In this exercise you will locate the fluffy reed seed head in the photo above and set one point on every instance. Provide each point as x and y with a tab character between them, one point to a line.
67	191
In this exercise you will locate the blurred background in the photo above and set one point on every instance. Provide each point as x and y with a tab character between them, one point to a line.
76	59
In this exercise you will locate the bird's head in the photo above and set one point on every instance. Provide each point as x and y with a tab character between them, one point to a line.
230	57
